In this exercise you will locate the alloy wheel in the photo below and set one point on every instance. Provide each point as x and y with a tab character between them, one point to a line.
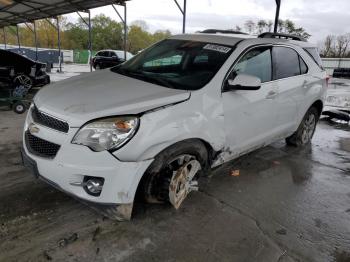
184	169
308	128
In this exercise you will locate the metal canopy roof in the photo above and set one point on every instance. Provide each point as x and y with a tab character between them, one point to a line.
14	12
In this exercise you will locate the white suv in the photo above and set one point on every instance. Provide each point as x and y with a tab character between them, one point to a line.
157	122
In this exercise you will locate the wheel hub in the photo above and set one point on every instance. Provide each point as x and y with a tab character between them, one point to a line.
182	182
308	130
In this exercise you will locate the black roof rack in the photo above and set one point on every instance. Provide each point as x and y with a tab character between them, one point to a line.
281	36
220	31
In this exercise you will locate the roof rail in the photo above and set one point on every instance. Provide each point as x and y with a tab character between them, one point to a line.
281	36
220	31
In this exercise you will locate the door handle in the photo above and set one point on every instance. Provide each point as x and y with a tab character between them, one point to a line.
272	94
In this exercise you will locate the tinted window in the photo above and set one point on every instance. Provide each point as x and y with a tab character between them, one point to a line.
165	61
313	52
286	62
256	62
303	66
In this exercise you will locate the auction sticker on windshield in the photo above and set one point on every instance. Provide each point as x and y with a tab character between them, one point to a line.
218	48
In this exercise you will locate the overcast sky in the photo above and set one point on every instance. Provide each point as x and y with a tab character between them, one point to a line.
318	17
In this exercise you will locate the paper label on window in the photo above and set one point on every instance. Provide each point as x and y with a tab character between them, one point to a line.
218	48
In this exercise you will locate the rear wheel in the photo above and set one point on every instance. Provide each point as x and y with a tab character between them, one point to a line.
174	173
23	80
98	67
305	130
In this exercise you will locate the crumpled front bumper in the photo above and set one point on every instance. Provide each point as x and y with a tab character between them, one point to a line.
66	171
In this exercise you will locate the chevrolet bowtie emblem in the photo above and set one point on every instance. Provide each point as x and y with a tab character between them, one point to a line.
33	129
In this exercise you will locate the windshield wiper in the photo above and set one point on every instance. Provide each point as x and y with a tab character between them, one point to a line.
142	76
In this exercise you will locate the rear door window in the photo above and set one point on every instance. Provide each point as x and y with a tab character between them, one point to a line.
286	62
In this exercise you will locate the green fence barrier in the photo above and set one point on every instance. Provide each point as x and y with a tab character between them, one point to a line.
82	56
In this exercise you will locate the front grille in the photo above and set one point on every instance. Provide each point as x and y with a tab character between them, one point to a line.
49	121
40	147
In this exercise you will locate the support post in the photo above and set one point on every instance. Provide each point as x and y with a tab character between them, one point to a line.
125	31
278	5
5	40
124	21
90	41
184	17
36	41
59	45
183	11
18	40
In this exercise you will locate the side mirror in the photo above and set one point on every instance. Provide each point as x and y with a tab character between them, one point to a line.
243	82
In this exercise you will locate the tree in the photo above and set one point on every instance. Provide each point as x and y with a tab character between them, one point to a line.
138	39
327	49
106	34
160	35
261	26
269	25
342	44
237	28
249	25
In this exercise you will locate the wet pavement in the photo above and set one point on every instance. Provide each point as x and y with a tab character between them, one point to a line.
284	204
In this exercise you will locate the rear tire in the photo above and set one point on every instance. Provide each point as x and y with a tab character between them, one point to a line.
306	129
19	107
97	67
160	176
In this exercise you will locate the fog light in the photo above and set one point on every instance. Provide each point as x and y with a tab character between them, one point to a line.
93	185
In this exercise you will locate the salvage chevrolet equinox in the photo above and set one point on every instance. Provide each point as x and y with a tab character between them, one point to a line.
154	124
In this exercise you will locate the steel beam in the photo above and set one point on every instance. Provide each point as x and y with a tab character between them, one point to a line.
18	40
5	40
183	11
125	31
278	5
59	45
90	41
124	21
36	41
88	24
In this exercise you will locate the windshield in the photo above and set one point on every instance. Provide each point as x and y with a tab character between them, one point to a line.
178	64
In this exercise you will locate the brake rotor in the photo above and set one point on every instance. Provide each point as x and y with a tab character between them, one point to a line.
182	182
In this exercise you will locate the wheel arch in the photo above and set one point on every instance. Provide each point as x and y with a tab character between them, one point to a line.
318	104
209	149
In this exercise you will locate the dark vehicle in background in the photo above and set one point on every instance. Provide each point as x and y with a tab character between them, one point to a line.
18	70
108	58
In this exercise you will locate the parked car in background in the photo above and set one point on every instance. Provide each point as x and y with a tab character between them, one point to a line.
109	58
152	125
18	70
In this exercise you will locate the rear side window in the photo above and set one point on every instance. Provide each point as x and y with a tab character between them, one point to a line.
256	62
286	62
303	66
313	52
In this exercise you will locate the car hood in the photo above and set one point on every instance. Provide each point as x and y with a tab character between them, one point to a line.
103	93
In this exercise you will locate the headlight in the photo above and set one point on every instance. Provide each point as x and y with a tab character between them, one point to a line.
107	134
